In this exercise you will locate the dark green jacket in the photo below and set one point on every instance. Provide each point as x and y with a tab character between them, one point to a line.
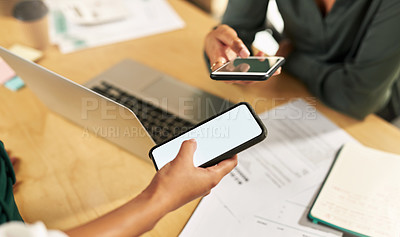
349	59
8	208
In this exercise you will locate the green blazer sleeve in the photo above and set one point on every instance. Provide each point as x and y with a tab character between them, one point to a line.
363	84
247	17
8	208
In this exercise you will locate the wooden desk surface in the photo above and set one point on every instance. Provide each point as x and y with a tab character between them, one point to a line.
66	178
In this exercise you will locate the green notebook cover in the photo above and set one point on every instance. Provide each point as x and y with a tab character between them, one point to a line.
368	156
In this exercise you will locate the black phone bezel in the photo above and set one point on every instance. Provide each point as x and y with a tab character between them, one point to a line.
229	153
247	77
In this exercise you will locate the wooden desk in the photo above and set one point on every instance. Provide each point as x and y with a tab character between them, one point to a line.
66	178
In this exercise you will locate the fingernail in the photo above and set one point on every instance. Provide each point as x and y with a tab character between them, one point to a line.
244	53
221	61
192	140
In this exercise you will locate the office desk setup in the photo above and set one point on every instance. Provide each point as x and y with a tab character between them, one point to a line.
67	176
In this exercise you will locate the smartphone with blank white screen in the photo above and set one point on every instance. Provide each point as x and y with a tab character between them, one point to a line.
219	137
248	69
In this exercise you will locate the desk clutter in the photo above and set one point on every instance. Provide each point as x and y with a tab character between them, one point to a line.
76	25
271	190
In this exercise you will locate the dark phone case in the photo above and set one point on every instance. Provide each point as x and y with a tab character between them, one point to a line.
229	153
247	77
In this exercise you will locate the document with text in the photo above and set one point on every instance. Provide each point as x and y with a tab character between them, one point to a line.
271	189
361	193
142	18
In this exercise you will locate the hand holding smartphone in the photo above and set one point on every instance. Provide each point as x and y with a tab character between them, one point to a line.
248	69
218	138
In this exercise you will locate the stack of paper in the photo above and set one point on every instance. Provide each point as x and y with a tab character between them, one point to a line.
271	190
141	18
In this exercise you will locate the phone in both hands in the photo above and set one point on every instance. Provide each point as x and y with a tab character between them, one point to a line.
248	69
218	138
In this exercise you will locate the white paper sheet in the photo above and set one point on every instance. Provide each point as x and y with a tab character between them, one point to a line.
145	17
271	189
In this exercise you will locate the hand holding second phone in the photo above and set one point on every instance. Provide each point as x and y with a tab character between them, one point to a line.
184	182
222	45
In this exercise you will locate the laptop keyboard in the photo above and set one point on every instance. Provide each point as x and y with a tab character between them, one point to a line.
160	124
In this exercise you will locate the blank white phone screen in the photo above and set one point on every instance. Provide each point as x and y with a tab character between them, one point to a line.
214	137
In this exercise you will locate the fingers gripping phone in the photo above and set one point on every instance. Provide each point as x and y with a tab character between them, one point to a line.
218	138
248	69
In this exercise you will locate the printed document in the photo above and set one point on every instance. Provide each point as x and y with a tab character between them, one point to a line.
143	18
270	191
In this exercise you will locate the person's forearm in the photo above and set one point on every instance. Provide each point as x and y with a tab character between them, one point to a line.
176	184
354	88
132	219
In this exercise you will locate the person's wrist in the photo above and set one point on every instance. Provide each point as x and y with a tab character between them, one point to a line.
160	197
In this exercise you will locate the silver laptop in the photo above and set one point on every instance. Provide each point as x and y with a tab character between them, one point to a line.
130	104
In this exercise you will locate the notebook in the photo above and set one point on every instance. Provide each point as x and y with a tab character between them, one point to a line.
361	194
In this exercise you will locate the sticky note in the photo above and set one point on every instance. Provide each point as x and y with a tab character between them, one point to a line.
26	52
6	72
15	83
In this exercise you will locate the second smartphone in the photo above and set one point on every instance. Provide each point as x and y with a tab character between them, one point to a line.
218	138
248	69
